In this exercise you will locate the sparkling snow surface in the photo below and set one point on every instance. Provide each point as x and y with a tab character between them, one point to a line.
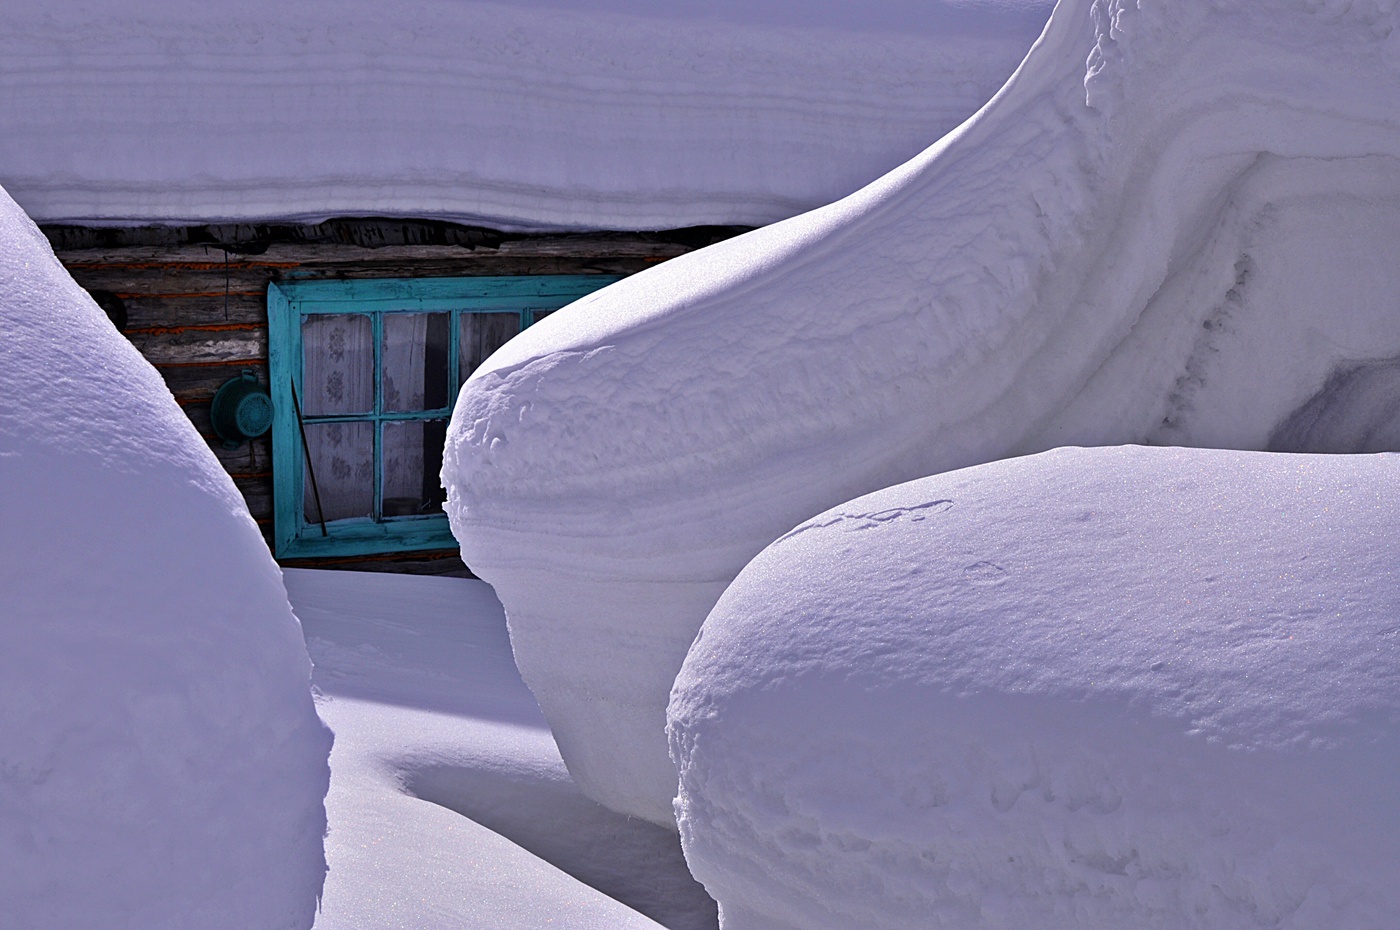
618	114
1083	690
449	805
161	761
1179	223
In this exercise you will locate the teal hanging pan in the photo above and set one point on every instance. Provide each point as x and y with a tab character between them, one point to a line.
242	410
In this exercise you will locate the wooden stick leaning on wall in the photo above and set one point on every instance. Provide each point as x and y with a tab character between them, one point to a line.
306	451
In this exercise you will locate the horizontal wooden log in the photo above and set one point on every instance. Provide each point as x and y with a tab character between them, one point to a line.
366	231
144	312
284	257
240	460
171	282
253	459
370	232
257	492
250	287
498	265
223	343
197	383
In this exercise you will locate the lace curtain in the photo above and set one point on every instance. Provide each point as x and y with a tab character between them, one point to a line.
404	361
338	380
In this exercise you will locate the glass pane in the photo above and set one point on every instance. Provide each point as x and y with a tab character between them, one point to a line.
482	334
413	360
412	460
337	364
341	458
540	315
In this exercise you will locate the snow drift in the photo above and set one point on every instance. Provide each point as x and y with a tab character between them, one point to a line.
450	808
161	762
1173	224
616	114
1086	689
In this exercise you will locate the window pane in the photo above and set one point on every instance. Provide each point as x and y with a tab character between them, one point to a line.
412	460
341	456
337	364
413	360
540	315
482	334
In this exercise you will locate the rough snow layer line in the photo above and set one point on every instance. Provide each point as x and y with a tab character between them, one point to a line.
506	115
1173	225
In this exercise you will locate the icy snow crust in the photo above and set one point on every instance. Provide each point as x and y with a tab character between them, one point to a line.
617	114
1174	223
1084	690
161	762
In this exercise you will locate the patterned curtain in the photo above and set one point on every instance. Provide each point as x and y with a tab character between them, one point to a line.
338	367
403	362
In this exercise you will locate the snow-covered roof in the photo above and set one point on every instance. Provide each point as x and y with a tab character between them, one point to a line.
572	114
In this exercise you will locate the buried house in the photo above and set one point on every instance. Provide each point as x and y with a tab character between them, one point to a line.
316	220
322	365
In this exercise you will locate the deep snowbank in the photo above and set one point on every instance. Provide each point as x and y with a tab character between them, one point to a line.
161	763
578	113
1084	690
449	807
1170	226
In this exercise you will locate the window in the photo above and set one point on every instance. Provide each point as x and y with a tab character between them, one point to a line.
364	377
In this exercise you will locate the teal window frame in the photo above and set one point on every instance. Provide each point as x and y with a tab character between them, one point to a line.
289	303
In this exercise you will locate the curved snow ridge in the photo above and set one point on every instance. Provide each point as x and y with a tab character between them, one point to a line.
1173	224
512	115
161	761
79	388
1088	688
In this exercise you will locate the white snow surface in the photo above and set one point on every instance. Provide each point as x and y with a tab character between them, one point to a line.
161	761
1082	690
1178	223
548	114
449	805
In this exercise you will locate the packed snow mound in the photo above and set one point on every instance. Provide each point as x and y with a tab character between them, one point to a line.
1083	690
617	114
1176	224
161	762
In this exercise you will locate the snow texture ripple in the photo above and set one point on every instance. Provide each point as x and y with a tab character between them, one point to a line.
600	114
1083	690
162	765
1178	223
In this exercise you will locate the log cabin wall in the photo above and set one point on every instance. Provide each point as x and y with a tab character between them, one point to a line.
195	304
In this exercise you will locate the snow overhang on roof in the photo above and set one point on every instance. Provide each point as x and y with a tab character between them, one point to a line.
538	115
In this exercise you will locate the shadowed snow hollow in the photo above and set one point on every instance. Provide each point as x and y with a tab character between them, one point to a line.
162	766
1083	690
1174	225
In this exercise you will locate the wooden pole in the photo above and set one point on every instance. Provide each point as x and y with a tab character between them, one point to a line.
306	451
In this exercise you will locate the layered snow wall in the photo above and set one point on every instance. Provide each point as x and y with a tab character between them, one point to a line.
611	114
1178	223
1082	690
161	762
